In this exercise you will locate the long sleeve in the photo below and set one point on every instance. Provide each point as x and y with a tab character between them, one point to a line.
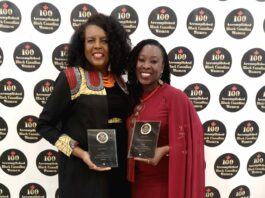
55	110
186	162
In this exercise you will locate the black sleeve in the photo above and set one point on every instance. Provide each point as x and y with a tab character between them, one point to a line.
54	110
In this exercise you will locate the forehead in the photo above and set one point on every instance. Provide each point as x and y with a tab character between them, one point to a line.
151	50
94	30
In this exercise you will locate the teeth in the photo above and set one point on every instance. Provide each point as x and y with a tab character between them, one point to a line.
145	74
98	55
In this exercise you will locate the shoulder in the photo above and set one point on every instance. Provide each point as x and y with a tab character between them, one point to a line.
171	91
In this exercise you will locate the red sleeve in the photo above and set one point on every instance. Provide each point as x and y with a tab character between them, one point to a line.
186	161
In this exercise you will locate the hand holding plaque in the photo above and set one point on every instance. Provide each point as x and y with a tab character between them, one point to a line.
102	147
144	139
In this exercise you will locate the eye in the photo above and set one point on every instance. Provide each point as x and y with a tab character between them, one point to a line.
140	60
153	61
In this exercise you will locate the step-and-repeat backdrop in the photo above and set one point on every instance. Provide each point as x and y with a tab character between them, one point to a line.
216	51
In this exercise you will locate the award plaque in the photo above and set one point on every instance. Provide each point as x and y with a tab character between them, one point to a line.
144	139
102	147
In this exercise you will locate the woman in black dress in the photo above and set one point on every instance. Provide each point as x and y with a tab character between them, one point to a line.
90	94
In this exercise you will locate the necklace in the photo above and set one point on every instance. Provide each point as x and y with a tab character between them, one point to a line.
139	107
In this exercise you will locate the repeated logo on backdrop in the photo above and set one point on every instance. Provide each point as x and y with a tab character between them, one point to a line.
161	22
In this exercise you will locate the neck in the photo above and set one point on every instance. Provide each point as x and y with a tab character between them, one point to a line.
150	88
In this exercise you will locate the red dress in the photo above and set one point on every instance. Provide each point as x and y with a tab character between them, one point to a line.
181	175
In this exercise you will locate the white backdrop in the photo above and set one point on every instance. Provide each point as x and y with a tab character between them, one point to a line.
28	163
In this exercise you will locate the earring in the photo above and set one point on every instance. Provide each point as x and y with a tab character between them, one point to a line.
160	82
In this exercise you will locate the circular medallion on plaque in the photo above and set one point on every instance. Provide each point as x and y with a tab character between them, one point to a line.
181	61
200	22
162	21
45	18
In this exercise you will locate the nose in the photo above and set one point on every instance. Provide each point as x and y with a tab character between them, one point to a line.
97	44
146	65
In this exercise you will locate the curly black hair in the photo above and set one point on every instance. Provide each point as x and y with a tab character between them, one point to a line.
135	88
118	41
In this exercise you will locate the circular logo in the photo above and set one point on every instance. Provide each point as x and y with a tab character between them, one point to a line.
1	57
80	14
199	95
162	21
27	56
233	97
60	56
11	92
26	129
127	16
247	133
260	99
45	18
146	128
180	61
3	128
227	166
47	162
240	192
200	22
214	133
13	162
102	137
239	23
10	16
32	190
217	62
43	90
256	165
4	192
211	192
253	62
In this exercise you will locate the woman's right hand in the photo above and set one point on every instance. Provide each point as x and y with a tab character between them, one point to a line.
84	155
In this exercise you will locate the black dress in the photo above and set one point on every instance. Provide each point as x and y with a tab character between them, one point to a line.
75	105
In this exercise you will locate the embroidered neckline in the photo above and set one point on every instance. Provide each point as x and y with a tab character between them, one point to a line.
109	80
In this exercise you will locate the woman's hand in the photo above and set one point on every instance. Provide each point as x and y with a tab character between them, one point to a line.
84	155
159	153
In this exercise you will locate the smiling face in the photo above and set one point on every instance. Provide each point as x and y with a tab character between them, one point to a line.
149	67
96	47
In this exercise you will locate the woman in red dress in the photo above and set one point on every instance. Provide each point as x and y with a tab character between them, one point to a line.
177	168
